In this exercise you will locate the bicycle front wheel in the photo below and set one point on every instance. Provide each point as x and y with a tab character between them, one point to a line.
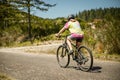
62	57
85	58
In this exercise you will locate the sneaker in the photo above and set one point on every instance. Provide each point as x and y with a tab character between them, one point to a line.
70	52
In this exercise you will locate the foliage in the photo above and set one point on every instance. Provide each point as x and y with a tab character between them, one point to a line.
106	32
111	36
90	15
14	27
27	5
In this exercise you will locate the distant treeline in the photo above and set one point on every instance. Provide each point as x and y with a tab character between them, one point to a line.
90	15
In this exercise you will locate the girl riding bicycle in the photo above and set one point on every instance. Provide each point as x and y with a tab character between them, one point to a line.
76	32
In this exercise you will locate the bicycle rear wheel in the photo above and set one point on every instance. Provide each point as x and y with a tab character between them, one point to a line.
85	58
62	57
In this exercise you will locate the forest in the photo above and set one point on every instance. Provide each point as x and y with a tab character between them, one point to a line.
101	27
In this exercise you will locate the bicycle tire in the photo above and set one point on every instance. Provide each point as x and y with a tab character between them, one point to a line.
86	58
62	57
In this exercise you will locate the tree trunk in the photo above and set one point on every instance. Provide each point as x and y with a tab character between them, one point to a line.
29	22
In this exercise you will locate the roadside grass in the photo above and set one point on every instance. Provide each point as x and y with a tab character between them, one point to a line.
5	77
100	56
41	51
110	57
52	39
40	41
47	49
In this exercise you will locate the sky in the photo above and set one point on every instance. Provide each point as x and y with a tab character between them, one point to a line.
68	7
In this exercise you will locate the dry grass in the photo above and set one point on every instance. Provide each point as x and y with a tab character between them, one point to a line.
51	49
5	77
110	57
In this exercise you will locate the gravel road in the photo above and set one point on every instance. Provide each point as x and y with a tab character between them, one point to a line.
24	66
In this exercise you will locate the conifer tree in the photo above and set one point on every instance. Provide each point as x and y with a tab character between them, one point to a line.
27	5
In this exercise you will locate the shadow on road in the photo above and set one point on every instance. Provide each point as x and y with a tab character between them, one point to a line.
95	69
72	67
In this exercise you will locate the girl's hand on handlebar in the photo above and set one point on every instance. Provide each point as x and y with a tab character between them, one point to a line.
57	35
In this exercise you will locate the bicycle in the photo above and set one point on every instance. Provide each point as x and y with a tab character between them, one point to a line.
82	55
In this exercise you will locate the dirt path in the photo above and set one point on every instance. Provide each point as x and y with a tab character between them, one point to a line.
21	66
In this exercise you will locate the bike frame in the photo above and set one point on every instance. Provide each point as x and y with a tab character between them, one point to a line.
74	45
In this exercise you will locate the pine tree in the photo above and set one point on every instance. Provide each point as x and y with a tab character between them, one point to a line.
27	5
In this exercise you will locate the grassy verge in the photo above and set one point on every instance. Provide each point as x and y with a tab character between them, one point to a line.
110	57
34	42
5	77
52	50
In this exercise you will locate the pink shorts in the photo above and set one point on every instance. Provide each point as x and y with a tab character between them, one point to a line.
76	37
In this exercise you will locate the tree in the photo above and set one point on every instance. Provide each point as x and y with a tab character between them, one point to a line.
5	14
27	5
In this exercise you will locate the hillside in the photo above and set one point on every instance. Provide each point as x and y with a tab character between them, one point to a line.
101	27
101	13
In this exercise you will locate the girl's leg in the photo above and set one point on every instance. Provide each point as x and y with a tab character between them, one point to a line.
69	43
70	46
